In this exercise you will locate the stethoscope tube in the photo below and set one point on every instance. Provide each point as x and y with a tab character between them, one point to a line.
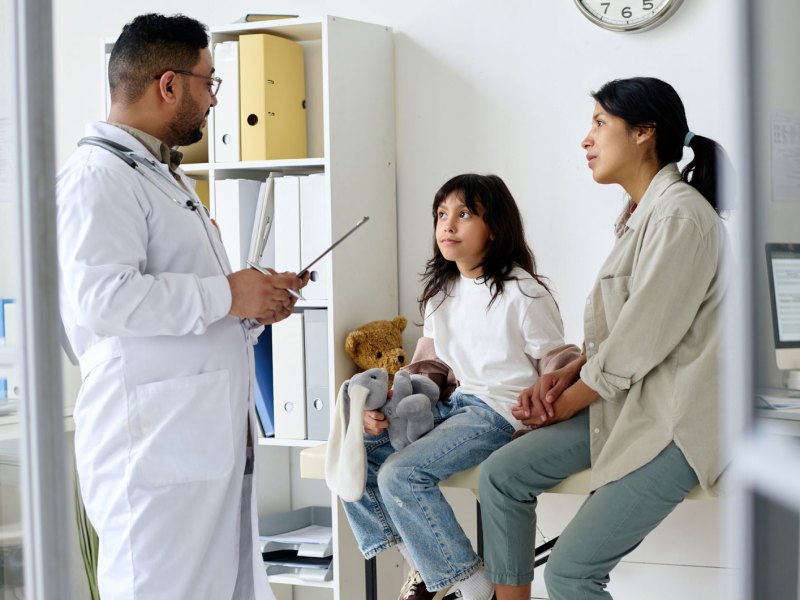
145	168
159	179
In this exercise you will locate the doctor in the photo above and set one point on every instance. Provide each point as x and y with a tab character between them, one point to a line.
164	422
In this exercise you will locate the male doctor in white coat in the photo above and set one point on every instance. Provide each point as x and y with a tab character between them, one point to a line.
164	422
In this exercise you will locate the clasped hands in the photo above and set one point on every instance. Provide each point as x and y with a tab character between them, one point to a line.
555	397
264	297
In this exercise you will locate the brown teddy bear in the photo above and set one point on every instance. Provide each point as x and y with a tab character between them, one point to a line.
378	344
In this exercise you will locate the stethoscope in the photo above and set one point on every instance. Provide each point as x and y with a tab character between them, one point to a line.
148	169
163	182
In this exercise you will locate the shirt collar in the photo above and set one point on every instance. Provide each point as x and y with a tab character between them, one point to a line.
668	175
163	153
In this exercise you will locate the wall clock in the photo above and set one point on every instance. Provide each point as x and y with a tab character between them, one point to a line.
628	15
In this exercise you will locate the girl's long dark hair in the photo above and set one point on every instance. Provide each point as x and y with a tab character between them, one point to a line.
650	102
489	197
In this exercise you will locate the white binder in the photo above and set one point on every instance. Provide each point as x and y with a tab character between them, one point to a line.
315	235
227	140
236	201
286	227
318	396
262	244
289	378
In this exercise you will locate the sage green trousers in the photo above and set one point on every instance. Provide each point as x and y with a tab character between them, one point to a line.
610	524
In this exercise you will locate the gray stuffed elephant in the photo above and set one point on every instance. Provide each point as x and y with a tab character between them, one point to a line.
410	416
409	410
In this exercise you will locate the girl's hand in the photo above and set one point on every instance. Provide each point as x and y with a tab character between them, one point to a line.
556	382
535	405
574	399
375	422
529	408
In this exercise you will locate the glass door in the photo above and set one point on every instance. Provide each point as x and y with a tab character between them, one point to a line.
34	502
766	447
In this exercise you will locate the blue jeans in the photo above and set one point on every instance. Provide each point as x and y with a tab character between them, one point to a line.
465	432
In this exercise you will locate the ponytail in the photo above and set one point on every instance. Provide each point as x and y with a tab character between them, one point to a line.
702	172
706	170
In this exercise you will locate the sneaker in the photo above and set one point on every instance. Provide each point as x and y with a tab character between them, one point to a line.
456	594
414	589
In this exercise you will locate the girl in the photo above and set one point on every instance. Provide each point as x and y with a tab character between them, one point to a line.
641	405
491	319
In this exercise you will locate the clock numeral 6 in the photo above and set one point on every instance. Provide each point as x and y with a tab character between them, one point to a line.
626	12
647	5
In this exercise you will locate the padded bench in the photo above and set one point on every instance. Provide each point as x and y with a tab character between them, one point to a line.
312	466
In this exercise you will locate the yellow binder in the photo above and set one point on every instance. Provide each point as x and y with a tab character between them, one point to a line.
272	98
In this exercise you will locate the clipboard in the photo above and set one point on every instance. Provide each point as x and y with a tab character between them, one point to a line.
305	269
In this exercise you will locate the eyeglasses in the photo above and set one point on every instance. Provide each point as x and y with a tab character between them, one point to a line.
214	85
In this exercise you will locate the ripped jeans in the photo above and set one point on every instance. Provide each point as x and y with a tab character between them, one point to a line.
403	502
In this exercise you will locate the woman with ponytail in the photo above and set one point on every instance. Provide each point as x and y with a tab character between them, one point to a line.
640	406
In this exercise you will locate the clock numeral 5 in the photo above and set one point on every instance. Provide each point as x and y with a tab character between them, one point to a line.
647	5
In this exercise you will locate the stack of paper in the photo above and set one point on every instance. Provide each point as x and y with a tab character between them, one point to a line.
778	398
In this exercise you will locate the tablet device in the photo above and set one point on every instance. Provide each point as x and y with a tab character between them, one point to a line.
332	246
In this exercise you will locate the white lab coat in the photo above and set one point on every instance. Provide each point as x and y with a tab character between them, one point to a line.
162	415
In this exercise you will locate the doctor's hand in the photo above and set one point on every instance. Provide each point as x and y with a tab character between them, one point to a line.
297	284
375	422
263	297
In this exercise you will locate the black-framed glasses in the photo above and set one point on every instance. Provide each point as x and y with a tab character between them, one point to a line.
215	81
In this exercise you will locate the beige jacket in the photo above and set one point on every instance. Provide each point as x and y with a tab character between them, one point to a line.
652	335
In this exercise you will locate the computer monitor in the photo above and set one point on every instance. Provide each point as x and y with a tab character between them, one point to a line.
783	268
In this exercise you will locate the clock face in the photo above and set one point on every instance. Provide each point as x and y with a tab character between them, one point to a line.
627	15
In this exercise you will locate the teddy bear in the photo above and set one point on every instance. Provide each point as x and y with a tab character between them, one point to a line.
410	415
378	344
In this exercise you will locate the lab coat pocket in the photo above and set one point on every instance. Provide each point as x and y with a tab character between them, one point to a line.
182	429
615	292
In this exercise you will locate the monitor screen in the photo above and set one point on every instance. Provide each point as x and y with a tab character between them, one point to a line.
783	267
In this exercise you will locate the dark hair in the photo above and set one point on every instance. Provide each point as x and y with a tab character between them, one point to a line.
650	102
489	197
149	45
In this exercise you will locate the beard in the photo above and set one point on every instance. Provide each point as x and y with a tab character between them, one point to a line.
187	128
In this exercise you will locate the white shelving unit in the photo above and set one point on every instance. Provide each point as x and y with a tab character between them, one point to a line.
350	136
349	81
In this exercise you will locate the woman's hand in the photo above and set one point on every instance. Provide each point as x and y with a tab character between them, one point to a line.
574	399
375	422
535	404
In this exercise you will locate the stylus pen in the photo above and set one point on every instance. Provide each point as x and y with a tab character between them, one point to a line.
262	270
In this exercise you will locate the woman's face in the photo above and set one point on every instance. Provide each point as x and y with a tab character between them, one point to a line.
610	147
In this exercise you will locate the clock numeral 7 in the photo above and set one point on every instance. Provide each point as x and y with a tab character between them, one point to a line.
647	5
606	5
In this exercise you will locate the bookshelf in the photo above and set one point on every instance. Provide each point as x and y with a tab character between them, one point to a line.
349	87
349	84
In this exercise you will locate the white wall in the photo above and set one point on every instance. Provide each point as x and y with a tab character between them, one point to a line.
497	87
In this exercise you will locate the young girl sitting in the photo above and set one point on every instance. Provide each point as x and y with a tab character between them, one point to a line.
491	318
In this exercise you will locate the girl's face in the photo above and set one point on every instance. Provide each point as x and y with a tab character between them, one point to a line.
610	147
462	235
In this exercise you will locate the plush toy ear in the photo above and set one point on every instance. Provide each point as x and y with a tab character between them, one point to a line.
353	341
399	323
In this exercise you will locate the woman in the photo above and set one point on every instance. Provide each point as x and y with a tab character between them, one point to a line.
640	406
